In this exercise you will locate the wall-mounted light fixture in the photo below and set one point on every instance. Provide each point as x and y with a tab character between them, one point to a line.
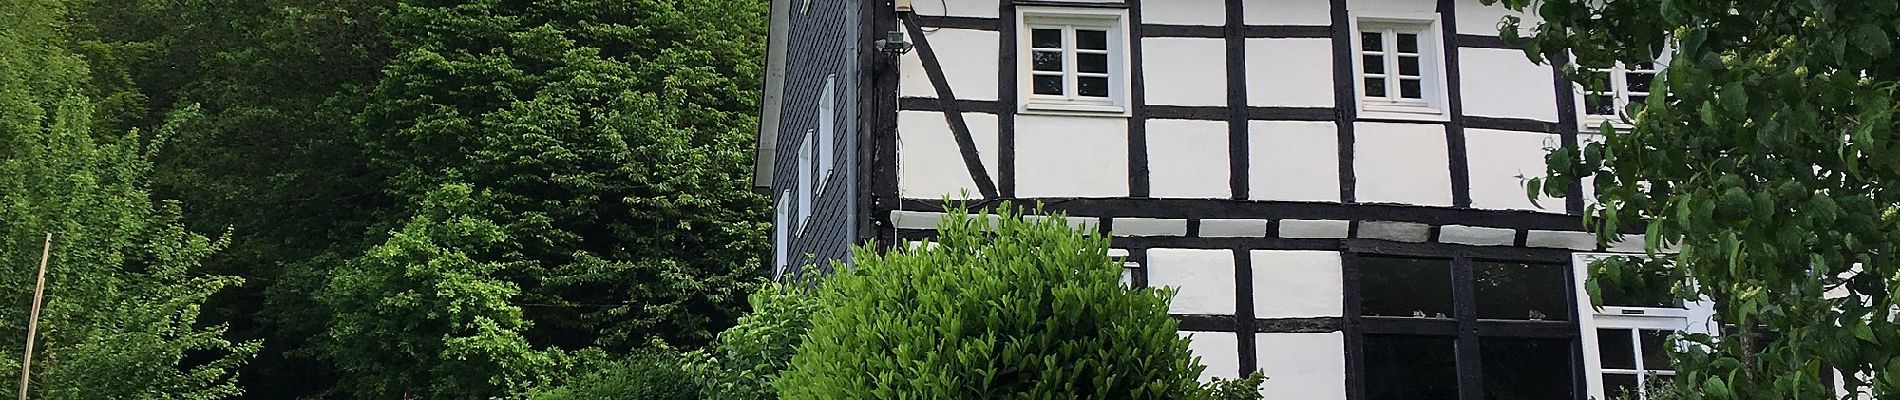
893	42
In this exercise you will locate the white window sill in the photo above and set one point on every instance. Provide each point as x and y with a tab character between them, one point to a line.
1594	123
1073	109
1415	112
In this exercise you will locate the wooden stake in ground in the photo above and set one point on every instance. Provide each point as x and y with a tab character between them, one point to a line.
33	320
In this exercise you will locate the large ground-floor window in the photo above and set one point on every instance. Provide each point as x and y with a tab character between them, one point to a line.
1426	326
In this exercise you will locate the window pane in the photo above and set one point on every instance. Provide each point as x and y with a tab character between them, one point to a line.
1597	104
1410	368
1637	101
1405	287
1651	291
1092	86
1639	82
1375	87
1372	41
1408	65
1097	63
1091	39
1618	385
1615	348
1527	369
1597	80
1047	61
1048	84
1408	43
1410	88
1521	291
1046	38
1374	64
1656	345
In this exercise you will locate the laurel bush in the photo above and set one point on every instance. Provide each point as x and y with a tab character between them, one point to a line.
1009	307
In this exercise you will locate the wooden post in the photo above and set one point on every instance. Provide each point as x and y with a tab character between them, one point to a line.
33	320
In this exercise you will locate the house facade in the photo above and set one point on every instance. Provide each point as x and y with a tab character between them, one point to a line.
1336	187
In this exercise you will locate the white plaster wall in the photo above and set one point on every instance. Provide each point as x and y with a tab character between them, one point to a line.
1184	71
1289	284
1188	159
1500	161
1475	18
1401	163
1290	72
1293	160
929	163
1388	6
1205	279
1589	183
1071	156
1306	366
956	8
969	64
1219	351
1288	12
1503	83
1185	12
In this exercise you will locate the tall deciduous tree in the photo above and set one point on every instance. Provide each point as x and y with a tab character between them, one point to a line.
121	317
1770	166
608	142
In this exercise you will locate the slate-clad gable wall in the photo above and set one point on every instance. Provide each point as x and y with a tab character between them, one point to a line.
823	40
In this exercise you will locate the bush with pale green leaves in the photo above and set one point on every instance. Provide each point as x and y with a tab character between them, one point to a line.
1012	309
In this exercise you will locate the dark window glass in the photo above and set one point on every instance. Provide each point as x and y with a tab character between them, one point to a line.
1526	369
1047	61
1097	63
1639	81
1521	291
1411	89
1618	386
1091	39
1374	64
1046	38
1372	41
1597	81
1615	347
1405	287
1048	84
1375	87
1656	345
1410	368
1408	43
1637	101
1597	104
1092	86
1651	291
1408	66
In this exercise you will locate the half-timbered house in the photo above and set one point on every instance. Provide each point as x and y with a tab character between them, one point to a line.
1335	186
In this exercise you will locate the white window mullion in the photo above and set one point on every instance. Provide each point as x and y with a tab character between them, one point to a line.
1072	86
1393	79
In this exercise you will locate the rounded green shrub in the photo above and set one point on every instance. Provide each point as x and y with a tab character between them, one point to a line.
996	308
745	360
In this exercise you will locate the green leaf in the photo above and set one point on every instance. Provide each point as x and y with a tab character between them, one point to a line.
1872	40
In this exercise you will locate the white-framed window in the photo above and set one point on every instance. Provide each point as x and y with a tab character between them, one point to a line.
781	242
1073	60
804	180
827	131
1626	341
1607	93
1400	67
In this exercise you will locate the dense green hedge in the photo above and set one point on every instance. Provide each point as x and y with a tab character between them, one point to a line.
1008	309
